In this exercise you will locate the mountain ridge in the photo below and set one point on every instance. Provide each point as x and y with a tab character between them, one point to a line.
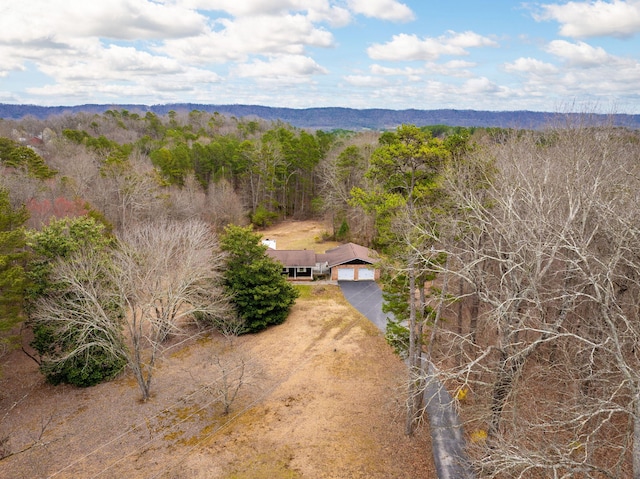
332	118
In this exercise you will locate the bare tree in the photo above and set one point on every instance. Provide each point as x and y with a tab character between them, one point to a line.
77	320
126	305
342	169
167	272
232	377
266	159
127	192
223	206
550	248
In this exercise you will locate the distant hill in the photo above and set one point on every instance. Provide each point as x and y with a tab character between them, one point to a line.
331	118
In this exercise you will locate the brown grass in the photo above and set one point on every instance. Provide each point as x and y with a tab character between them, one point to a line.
300	235
323	401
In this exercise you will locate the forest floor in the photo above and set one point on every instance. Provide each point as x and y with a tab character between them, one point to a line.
322	398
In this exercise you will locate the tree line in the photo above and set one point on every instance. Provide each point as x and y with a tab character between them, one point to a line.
512	267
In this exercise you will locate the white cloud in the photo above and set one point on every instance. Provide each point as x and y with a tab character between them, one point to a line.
475	86
579	54
316	10
235	40
245	7
382	9
281	67
150	88
619	18
468	40
81	92
365	80
459	64
404	47
409	47
334	16
530	65
8	62
379	73
407	71
59	20
583	72
114	62
453	68
264	52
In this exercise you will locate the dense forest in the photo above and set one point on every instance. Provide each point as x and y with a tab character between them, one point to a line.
511	257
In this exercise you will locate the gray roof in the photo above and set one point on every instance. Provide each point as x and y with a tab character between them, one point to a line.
294	258
350	252
333	257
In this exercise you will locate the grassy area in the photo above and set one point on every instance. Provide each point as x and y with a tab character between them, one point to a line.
317	246
299	235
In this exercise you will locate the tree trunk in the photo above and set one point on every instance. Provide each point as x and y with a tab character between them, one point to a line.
509	369
460	293
636	436
413	376
475	308
459	325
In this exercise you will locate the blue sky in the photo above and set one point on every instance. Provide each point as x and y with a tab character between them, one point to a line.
426	54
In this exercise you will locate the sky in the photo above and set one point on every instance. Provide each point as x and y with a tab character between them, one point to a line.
499	55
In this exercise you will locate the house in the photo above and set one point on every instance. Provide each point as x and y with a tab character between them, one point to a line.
296	264
348	262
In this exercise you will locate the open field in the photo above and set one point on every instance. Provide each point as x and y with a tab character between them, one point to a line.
299	235
323	399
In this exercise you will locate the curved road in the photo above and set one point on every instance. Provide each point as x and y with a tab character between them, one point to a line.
447	435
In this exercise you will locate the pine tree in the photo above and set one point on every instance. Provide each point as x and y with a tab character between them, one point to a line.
12	261
262	296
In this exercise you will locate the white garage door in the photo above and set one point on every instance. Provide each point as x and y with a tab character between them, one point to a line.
346	274
365	274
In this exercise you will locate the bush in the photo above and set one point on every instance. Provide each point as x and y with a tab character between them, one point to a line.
92	368
263	217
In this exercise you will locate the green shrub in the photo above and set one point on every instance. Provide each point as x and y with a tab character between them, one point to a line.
93	367
263	217
397	337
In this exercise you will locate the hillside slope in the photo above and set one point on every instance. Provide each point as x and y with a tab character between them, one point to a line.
332	118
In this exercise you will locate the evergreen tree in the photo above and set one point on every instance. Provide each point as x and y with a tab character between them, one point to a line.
405	170
14	155
12	261
261	294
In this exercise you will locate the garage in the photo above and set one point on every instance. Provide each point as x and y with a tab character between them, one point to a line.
366	274
346	274
351	262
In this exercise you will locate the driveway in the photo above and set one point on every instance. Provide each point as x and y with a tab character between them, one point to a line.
446	431
366	297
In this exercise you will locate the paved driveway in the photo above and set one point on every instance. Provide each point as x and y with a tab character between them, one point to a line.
366	297
447	436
